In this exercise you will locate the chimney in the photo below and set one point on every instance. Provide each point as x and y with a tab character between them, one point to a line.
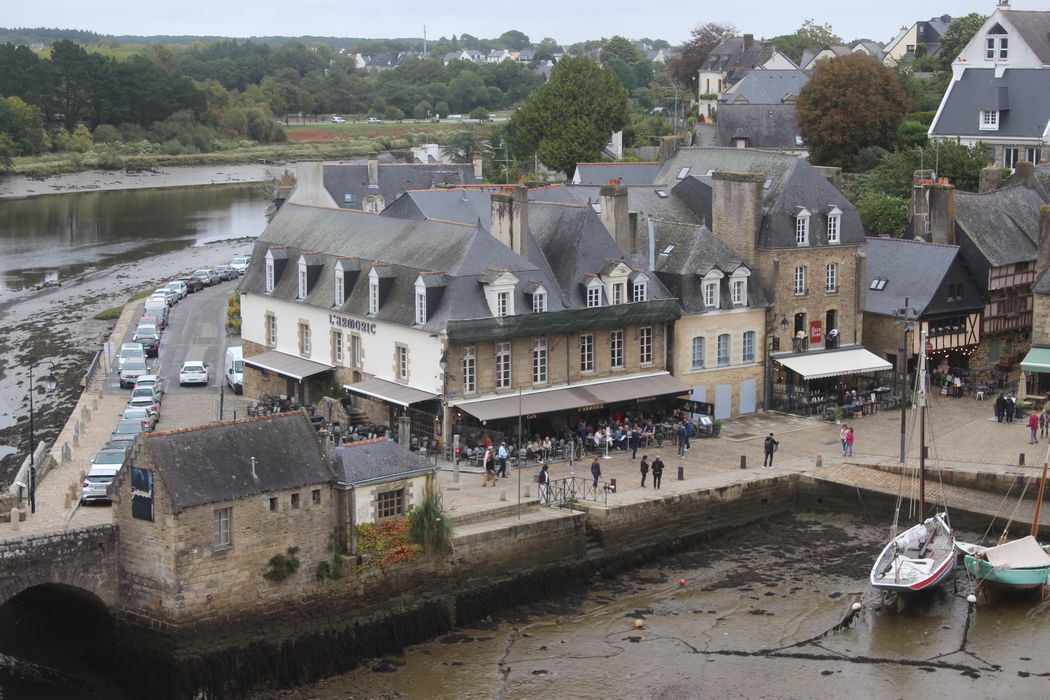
749	40
373	171
736	211
510	219
614	215
990	179
477	170
1026	173
942	214
1042	260
919	213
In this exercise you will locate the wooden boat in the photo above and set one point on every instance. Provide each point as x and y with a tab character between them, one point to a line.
923	555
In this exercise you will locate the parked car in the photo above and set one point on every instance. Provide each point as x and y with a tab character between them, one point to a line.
193	372
207	277
234	367
129	427
146	397
170	296
129	351
240	264
149	338
121	442
147	325
179	287
140	414
336	119
155	382
193	284
224	273
375	120
98	480
109	457
133	369
159	309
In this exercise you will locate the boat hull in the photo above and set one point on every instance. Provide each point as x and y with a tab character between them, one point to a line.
918	559
1027	577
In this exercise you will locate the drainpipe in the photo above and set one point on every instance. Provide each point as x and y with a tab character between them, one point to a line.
353	524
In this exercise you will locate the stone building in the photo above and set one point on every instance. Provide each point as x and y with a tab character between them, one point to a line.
1037	361
202	511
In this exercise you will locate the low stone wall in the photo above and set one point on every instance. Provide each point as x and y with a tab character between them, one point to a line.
1011	481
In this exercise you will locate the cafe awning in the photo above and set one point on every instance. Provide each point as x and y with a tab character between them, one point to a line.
566	398
816	365
391	392
1037	360
286	365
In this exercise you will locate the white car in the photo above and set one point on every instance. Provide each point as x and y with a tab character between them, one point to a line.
375	120
179	287
193	372
240	264
129	351
336	119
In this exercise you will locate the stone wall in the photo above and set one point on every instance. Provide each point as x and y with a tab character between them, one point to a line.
1041	319
84	558
709	327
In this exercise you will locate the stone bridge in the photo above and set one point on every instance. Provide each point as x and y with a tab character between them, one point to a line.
83	558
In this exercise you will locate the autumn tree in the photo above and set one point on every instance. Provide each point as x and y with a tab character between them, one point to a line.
685	66
571	117
851	102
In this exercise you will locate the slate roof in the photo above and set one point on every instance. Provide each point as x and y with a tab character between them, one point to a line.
771	126
731	58
1034	28
1026	91
212	463
369	461
873	48
626	173
1003	225
394	179
767	87
1042	283
914	271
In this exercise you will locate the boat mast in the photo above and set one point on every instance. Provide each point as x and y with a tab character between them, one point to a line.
922	425
1039	502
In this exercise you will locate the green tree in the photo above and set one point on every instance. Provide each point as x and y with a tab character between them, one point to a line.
22	126
883	214
956	37
571	117
962	166
850	102
622	49
685	66
810	35
513	40
463	145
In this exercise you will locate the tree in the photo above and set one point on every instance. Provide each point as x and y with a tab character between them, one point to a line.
570	118
809	35
956	36
884	214
514	40
22	127
962	165
622	49
850	102
685	67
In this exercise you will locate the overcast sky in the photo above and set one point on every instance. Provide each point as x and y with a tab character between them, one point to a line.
567	21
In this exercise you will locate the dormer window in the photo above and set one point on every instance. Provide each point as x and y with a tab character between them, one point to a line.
989	120
302	280
539	302
340	289
641	290
269	275
594	293
618	292
834	225
802	228
421	303
373	293
711	294
996	44
502	303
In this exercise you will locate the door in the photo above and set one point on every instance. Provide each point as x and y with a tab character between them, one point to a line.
748	389
699	394
723	400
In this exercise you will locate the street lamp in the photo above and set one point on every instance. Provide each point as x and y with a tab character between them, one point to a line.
772	345
49	385
906	322
443	364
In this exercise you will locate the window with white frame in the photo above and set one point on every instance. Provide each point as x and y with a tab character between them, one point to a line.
645	345
802	228
502	303
748	346
373	295
304	339
539	302
269	275
723	350
355	350
996	44
831	277
1010	157
698	352
618	293
502	365
989	120
470	370
587	353
340	291
539	361
271	330
834	225
711	294
800	280
337	347
302	279
421	306
223	520
616	349
402	363
739	287
640	291
594	296
1031	154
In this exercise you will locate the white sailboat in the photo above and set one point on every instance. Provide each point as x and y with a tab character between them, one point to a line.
923	555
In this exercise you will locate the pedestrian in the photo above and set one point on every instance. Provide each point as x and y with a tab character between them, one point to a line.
596	471
503	460
547	447
682	437
1011	407
1044	418
489	464
842	437
1000	408
636	440
770	446
689	430
658	471
849	442
1033	428
544	480
645	468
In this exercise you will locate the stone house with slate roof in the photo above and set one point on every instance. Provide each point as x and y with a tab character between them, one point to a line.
371	186
729	62
201	512
1037	360
759	112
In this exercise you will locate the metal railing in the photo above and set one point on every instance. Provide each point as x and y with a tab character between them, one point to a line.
96	362
565	493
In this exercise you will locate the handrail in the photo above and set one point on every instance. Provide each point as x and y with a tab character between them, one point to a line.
89	376
567	491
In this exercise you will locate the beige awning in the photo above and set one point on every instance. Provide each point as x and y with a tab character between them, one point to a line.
391	392
815	365
566	398
290	366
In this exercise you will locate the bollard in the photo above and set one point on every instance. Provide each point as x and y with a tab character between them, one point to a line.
16	516
94	403
1020	459
681	473
67	452
85	415
503	494
67	501
528	492
76	437
820	461
743	461
612	482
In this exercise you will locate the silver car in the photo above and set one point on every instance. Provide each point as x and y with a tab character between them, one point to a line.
140	413
130	350
96	484
133	369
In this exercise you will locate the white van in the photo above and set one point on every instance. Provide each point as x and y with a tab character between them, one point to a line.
158	308
235	369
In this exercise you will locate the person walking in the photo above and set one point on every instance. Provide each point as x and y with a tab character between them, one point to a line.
1033	428
596	471
636	440
544	480
769	447
1000	408
658	472
488	462
849	442
503	460
842	437
1044	418
682	437
1011	407
689	430
645	468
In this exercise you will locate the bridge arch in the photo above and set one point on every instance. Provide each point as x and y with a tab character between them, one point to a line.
82	558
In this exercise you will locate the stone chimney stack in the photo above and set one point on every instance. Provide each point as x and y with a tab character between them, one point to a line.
942	214
1042	260
991	178
1026	173
617	221
749	41
510	219
478	176
736	211
373	171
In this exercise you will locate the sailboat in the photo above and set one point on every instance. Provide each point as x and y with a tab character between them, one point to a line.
923	555
1020	564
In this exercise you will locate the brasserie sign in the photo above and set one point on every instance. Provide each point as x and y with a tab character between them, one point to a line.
353	324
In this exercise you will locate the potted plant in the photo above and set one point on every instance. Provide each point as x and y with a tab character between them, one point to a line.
716	427
659	436
838	415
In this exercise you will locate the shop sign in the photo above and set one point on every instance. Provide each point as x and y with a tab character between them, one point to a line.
646	399
592	407
701	407
353	324
816	331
